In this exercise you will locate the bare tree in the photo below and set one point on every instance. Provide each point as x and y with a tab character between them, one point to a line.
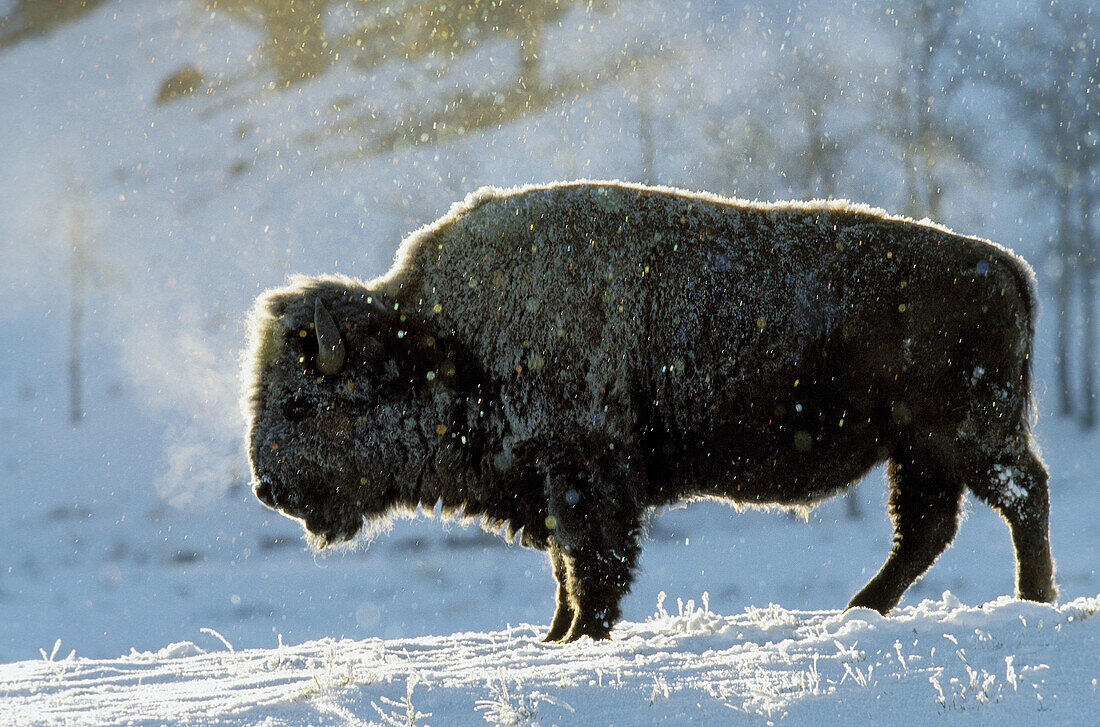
811	78
921	83
78	279
1088	305
793	127
1055	69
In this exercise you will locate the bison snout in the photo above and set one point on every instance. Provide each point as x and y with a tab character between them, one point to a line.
264	493
328	532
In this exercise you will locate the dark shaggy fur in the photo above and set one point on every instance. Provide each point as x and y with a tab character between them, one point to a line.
558	360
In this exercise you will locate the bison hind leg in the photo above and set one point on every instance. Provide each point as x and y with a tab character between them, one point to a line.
924	506
1014	483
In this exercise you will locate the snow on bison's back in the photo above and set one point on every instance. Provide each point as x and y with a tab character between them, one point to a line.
560	359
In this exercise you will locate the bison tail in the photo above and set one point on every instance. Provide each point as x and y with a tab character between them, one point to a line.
1024	278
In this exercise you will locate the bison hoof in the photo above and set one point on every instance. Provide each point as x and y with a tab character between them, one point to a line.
866	603
599	632
1040	594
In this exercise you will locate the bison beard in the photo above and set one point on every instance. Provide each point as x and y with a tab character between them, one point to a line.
560	360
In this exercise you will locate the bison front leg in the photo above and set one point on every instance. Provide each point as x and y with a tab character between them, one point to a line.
563	609
594	519
599	577
924	505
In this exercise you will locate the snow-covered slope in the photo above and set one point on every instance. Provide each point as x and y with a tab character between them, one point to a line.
937	662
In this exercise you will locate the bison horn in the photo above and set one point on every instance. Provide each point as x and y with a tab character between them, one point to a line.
330	349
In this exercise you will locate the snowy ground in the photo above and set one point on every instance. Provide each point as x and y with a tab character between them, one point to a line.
135	533
1005	662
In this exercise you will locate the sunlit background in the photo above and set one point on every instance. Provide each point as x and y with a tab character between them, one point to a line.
161	162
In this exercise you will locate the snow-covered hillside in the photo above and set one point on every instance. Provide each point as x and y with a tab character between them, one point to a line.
133	532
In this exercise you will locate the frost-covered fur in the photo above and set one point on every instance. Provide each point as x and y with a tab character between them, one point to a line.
559	359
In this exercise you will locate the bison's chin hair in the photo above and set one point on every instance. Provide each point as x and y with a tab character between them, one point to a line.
364	533
371	526
321	541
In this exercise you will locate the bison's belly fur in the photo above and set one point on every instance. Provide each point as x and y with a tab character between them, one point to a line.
560	360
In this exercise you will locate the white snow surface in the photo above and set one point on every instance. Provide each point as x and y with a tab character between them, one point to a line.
134	533
938	661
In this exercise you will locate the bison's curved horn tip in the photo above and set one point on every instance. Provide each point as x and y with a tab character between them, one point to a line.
330	347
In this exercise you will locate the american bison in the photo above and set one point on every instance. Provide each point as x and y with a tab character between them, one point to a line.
557	360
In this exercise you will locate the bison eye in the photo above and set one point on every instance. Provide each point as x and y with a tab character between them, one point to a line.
297	408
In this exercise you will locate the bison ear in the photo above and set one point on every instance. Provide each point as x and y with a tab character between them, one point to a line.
330	347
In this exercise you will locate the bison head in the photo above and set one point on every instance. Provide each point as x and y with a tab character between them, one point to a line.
341	403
